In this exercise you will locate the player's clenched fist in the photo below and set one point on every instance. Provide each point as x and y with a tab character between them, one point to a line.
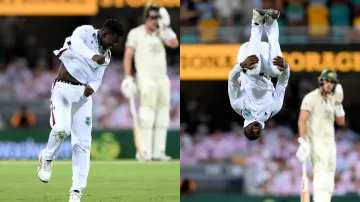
280	63
249	62
88	91
99	59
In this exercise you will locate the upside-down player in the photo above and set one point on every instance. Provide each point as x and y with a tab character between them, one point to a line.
251	92
85	55
146	42
319	110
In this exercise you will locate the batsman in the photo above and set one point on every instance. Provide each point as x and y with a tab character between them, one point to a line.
146	44
319	110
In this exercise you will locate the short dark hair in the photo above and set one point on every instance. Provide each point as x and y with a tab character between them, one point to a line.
114	26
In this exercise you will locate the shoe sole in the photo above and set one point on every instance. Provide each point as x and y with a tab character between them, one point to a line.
40	156
275	15
261	12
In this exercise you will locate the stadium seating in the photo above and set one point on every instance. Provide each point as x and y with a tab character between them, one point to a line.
208	30
318	21
339	14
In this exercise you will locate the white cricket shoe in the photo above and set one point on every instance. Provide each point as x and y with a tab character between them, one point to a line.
75	196
44	169
271	16
259	16
163	157
142	158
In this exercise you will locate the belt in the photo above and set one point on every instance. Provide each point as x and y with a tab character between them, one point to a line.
69	82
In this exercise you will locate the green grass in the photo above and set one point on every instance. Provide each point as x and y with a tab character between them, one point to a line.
108	181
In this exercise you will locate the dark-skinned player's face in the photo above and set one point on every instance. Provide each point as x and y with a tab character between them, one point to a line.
254	130
109	40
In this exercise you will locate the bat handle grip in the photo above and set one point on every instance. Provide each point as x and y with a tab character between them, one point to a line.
304	170
132	106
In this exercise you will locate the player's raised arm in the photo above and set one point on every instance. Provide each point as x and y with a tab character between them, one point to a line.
339	110
234	88
77	41
166	33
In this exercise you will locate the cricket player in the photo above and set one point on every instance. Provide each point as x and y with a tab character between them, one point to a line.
319	110
251	92
146	42
84	56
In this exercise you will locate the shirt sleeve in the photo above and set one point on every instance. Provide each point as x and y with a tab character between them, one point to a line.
307	104
242	55
78	37
96	80
234	89
131	40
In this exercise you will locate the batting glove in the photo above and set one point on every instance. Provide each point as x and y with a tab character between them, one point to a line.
165	17
128	87
303	151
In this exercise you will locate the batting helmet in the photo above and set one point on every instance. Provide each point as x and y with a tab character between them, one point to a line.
150	7
329	75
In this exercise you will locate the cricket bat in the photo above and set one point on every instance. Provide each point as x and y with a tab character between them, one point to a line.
137	138
305	196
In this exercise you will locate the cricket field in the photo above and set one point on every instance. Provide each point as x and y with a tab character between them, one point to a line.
108	181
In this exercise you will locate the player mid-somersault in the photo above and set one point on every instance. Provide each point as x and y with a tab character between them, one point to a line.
85	55
251	92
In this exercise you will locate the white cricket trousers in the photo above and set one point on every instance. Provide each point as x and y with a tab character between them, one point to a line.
154	113
323	162
266	52
71	115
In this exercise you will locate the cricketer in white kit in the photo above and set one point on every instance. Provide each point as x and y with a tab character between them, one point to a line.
146	44
84	56
319	110
251	92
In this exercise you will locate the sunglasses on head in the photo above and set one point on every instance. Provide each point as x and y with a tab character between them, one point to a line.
154	17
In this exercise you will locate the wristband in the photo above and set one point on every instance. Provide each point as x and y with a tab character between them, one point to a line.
339	111
168	34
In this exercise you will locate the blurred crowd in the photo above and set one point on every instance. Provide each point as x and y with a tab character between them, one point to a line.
19	81
329	19
28	68
275	169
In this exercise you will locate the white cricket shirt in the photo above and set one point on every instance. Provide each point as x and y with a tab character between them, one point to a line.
77	54
150	54
255	99
320	125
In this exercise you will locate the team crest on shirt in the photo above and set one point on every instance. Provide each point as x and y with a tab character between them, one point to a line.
246	113
88	121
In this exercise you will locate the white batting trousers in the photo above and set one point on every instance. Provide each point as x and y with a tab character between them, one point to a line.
71	115
323	161
266	52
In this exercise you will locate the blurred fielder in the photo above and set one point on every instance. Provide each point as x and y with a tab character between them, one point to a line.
85	55
146	43
319	109
251	92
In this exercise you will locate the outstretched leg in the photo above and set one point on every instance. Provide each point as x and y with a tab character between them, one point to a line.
60	121
254	45
272	31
